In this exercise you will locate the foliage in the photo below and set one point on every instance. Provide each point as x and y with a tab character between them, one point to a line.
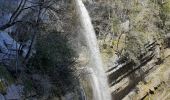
134	47
4	74
5	79
55	58
144	17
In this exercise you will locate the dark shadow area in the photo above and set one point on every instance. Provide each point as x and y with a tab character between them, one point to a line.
129	72
133	82
167	42
126	70
120	72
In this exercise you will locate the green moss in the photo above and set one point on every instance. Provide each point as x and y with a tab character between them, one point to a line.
3	87
166	6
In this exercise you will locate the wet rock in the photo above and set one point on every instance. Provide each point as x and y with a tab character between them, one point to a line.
69	96
8	43
2	97
14	92
8	47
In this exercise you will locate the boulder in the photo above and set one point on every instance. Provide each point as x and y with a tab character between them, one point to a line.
7	43
8	48
69	96
14	92
2	97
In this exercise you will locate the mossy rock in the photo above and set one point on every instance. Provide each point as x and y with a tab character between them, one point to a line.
3	86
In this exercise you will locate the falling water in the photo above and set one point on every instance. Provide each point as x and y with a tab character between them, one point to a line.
98	77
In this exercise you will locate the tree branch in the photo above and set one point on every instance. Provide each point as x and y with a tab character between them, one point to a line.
8	25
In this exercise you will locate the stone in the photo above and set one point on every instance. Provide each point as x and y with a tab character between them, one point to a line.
2	97
69	96
7	43
14	92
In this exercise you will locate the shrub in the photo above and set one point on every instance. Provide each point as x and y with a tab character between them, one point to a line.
55	58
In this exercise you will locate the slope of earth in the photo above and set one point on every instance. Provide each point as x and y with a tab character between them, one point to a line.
155	85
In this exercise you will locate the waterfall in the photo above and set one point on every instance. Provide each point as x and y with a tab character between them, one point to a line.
98	77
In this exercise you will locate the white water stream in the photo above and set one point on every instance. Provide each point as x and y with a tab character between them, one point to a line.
98	77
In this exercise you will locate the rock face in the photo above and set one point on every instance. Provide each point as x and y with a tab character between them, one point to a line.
14	92
2	97
10	49
69	96
7	44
